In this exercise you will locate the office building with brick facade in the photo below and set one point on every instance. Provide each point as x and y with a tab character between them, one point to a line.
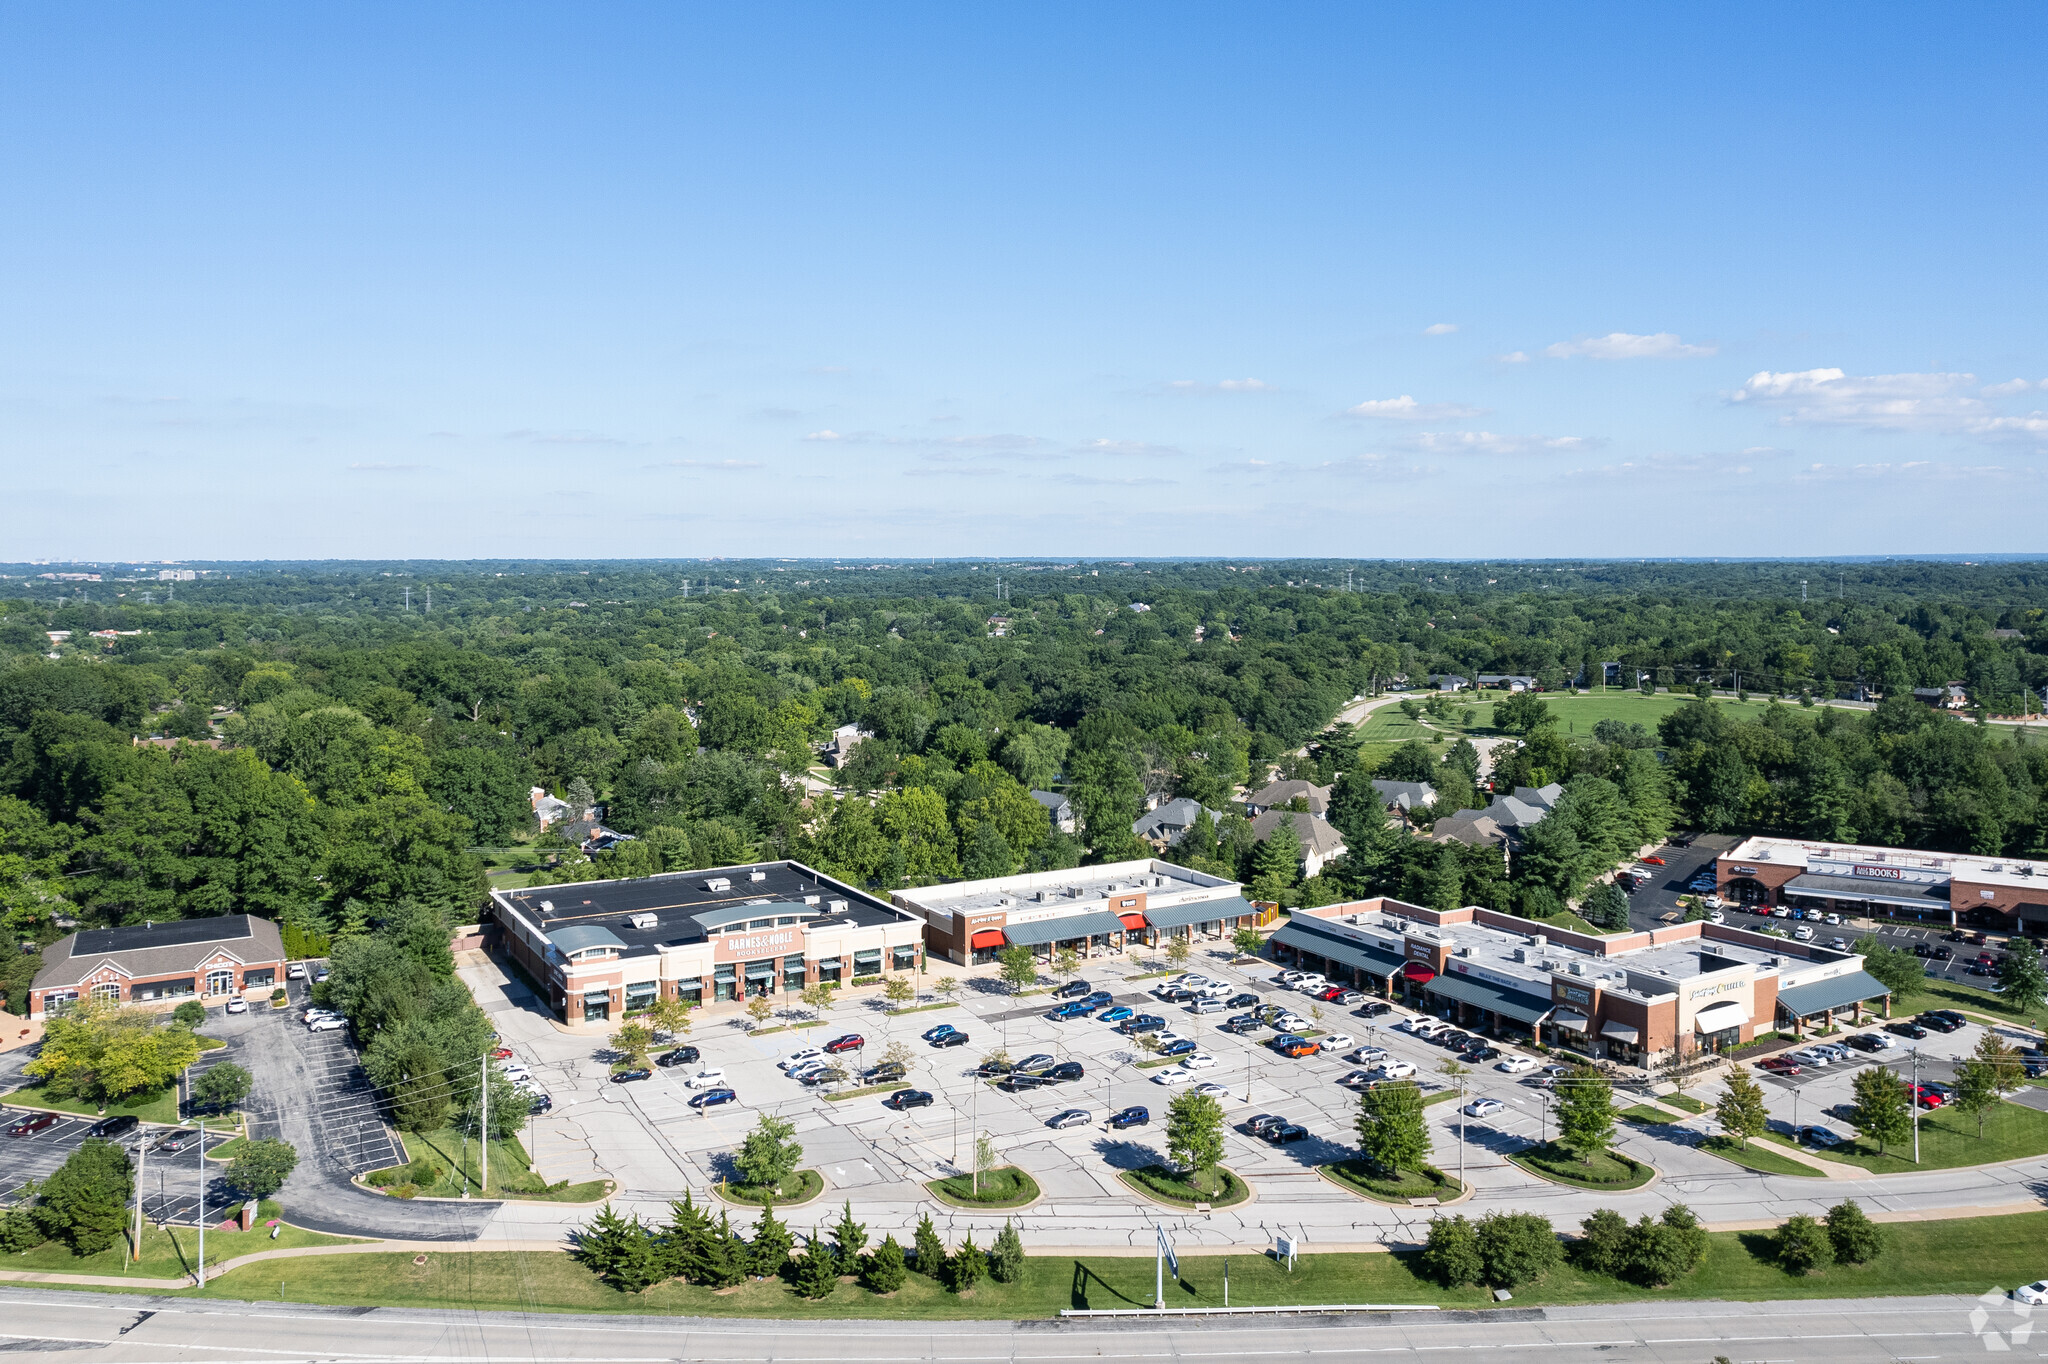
1847	878
160	963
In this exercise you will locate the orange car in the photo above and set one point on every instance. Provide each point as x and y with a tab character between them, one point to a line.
1296	1047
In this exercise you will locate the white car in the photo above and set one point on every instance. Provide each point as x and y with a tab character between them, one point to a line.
526	1084
706	1079
1426	1027
1200	1060
1291	1023
797	1058
1335	1042
1811	1056
805	1069
325	1024
237	1006
1834	920
1166	1038
1173	1076
1396	1070
1715	916
1803	933
1289	977
1215	989
296	971
1483	1108
1312	985
312	1014
514	1071
1516	1065
2033	1293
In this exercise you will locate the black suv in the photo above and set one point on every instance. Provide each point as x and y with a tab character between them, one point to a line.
1938	1022
1137	1115
681	1056
110	1128
988	1070
1062	1073
1374	1008
1131	1027
1073	989
888	1070
909	1098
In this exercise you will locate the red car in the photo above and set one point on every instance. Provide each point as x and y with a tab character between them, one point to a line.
1925	1097
1778	1065
29	1126
502	1054
853	1041
1331	993
1653	861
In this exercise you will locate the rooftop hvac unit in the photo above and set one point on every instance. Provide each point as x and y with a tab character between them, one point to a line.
810	899
1039	896
1577	968
1538	941
837	906
719	883
1002	899
547	906
757	876
1463	952
1521	954
644	921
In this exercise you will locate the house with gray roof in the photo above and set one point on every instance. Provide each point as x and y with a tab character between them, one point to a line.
1059	807
1405	796
1320	841
1281	794
1169	823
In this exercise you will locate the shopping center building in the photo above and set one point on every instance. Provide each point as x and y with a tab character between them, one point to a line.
1095	911
159	963
604	949
1848	878
1631	998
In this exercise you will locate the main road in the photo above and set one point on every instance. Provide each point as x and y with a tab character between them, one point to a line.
136	1330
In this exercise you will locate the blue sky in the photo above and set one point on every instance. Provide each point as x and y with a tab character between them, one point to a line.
359	280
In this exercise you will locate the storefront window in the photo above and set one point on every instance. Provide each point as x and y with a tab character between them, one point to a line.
867	963
642	995
220	982
111	990
690	991
760	977
597	1005
59	1001
724	982
903	957
828	970
793	974
252	979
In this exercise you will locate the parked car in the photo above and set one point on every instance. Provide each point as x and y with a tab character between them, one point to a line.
1037	1061
1072	1117
1073	1008
1143	1023
1172	1075
1778	1065
326	1025
706	1079
1366	1056
2033	1294
1291	1023
541	1104
296	971
1927	1096
934	1034
501	1053
1286	1132
172	1141
1203	1007
1073	989
886	1072
680	1056
1396	1070
1653	861
992	1067
1066	1072
1869	1041
1119	1014
1516	1065
1334	1042
1137	1115
237	1005
1287	1044
1906	1027
1375	1009
1811	1135
1480	1054
1260	1123
1939	1022
627	1076
1483	1108
109	1128
822	1075
1180	1046
1247	1000
852	1041
951	1039
1200	1060
1220	1093
319	975
1811	1056
713	1098
1329	996
909	1098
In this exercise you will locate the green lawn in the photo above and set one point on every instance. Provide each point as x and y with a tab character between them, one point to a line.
1398	1188
1441	1096
801	1187
1004	1187
921	1008
1643	1113
1578	714
161	1106
1610	1170
1963	1256
1169	1186
1949	1139
444	1163
170	1251
1758	1157
1684	1101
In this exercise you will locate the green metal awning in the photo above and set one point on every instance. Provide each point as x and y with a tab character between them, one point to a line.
1833	993
1200	912
1342	950
1061	930
1531	1009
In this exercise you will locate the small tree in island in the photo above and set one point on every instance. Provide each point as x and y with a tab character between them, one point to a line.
1194	1139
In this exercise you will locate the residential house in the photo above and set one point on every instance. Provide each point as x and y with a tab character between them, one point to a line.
1405	796
1507	816
1451	682
1950	696
1320	842
840	747
1059	807
1282	794
1169	823
1508	681
546	808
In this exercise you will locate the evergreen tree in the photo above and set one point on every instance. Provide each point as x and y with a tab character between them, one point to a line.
850	1238
725	1257
1355	810
930	1250
686	1240
1276	863
1006	1256
816	1272
968	1267
882	1271
772	1243
612	1247
85	1201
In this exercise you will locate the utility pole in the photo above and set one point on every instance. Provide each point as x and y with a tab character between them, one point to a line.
202	1203
1914	1099
141	1165
483	1135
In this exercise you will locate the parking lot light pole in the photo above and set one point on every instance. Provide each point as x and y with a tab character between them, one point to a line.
141	1166
1916	1103
202	1203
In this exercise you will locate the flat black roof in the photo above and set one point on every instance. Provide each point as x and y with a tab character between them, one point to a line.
675	898
170	933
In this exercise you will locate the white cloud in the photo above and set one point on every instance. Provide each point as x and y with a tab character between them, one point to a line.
1627	346
1514	357
1931	402
1491	443
1220	386
1406	409
825	435
1440	329
1138	448
2012	386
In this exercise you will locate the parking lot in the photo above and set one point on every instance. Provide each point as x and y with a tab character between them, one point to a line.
170	1178
645	1134
1660	896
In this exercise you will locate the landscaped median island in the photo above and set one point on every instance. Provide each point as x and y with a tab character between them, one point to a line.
1605	1170
1963	1256
148	1105
1399	1187
1219	1188
765	1170
1194	1143
1003	1187
446	1164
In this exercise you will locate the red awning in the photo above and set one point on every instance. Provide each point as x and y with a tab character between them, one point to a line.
988	937
1133	922
1419	973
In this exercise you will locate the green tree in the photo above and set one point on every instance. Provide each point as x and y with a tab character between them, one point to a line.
1515	1248
1602	1247
1741	1112
619	1251
1066	964
1852	1236
1194	1135
1178	951
631	1043
850	1238
221	1086
968	1267
1881	1106
190	1014
104	1052
930	1250
1248	941
768	1254
1392	1133
1803	1245
685	1242
883	1272
84	1202
420	1097
1450	1255
915	820
1006	1256
2026	984
261	1166
1019	968
898	990
1276	863
1606	906
1585	1113
1976	1091
725	1256
1666	1249
816	1271
767	1156
670	1016
1894	967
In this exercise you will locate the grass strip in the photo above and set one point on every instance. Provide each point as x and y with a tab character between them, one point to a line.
923	1008
1609	1171
1170	1186
1400	1188
158	1106
1759	1158
1004	1187
801	1187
